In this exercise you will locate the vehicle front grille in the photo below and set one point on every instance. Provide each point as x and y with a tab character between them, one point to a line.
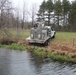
35	36
43	35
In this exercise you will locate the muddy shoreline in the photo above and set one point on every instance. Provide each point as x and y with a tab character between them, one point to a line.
56	52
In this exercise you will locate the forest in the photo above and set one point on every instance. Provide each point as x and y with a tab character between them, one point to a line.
59	14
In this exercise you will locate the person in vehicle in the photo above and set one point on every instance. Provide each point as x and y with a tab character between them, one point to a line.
36	25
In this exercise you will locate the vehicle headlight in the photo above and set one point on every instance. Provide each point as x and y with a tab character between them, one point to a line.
39	36
31	35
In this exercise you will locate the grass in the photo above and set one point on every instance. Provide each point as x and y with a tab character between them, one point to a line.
16	47
14	35
13	46
58	57
22	33
42	52
1	45
62	38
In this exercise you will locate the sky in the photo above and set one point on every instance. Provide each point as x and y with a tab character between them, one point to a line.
29	3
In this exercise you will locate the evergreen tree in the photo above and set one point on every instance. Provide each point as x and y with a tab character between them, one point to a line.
66	9
72	17
58	11
49	9
41	12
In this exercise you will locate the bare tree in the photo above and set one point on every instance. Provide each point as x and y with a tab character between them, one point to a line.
23	15
34	10
17	18
32	13
5	6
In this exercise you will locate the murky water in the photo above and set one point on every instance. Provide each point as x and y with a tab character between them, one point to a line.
24	63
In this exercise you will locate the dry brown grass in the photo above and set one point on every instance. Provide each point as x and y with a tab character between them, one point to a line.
64	42
13	35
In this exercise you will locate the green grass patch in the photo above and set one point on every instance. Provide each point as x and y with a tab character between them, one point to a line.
58	57
16	47
1	45
20	34
13	46
41	52
64	37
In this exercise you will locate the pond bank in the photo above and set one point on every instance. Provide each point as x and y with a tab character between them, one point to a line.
14	62
60	47
45	52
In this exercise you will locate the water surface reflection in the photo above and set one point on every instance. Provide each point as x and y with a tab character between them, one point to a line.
24	63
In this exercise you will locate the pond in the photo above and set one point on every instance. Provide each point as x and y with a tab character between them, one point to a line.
14	62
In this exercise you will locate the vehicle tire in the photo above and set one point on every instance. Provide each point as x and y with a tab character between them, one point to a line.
47	43
53	36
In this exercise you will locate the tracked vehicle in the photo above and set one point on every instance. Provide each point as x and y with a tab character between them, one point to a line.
41	34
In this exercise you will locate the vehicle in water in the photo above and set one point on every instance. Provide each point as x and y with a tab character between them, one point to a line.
41	34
